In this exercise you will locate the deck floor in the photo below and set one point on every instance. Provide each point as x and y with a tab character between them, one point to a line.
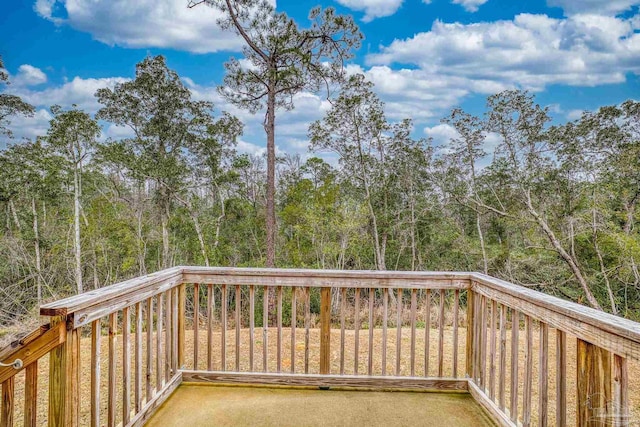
207	405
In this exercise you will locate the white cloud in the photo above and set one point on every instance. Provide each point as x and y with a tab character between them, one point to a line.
470	5
441	134
143	23
574	114
422	94
373	8
27	127
603	7
531	52
78	91
28	75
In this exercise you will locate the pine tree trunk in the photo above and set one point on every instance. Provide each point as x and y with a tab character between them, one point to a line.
269	126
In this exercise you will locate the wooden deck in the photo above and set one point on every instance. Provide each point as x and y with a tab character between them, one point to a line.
509	349
204	405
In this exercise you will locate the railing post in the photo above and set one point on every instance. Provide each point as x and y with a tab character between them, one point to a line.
593	385
325	330
64	366
181	322
470	334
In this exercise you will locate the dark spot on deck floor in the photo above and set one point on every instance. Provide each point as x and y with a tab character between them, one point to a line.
205	405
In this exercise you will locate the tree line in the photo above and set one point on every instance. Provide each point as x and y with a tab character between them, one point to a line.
546	205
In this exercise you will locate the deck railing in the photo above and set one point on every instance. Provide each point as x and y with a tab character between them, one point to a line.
116	353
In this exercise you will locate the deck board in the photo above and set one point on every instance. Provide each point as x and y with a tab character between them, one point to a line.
205	405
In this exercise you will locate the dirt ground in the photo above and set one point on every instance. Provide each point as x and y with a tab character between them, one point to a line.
349	361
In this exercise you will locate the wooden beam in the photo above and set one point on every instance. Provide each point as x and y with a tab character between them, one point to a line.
34	350
332	381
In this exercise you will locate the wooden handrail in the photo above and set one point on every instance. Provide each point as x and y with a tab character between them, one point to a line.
613	333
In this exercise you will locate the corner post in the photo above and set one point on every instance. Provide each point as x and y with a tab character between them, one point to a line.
64	369
593	385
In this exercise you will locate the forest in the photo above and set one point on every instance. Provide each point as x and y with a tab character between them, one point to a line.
516	194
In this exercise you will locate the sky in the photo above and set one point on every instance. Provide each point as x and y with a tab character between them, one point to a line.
425	57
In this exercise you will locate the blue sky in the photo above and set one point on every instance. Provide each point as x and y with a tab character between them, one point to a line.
425	57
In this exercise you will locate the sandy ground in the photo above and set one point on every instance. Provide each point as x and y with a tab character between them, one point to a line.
349	357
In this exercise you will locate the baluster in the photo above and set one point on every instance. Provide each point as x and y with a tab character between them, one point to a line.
398	330
196	325
414	303
96	335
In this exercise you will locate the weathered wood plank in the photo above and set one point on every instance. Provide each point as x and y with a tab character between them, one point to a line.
159	350
543	376
356	326
561	378
456	303
372	298
294	326
8	396
31	395
238	325
307	325
621	391
427	331
128	292
224	303
502	372
332	381
385	315
111	388
497	414
126	366
327	278
528	373
252	325
279	330
398	329
138	360
151	406
265	328
31	352
61	378
325	330
483	343
168	340
210	305
414	305
181	327
492	351
343	309
593	385
515	329
441	335
96	338
196	325
149	338
176	331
